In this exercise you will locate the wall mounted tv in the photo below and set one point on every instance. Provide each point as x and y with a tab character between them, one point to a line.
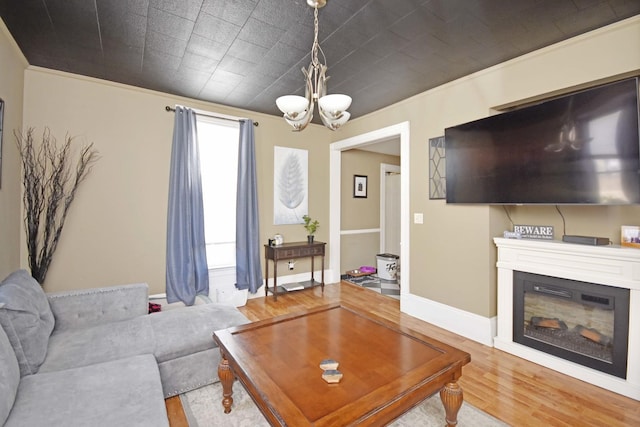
582	148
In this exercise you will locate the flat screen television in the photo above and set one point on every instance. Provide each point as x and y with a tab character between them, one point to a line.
582	148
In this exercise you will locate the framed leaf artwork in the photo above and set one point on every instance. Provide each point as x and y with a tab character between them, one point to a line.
290	185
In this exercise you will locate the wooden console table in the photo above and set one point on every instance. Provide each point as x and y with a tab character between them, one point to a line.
289	251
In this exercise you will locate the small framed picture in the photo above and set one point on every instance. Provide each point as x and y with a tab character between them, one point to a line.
360	186
630	236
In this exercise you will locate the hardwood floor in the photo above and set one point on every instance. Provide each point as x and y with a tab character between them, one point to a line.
518	392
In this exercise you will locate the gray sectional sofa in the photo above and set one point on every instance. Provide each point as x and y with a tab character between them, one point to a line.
96	357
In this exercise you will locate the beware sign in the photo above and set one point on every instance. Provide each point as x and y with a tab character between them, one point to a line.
544	232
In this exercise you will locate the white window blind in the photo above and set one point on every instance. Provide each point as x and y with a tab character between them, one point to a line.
218	144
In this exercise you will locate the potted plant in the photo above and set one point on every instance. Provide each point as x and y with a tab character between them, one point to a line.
311	226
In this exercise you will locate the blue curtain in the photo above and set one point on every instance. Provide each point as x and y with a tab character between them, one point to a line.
187	273
248	270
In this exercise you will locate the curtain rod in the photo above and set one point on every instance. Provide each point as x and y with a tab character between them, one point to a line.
169	109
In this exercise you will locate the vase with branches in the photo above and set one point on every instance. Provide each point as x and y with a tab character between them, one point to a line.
50	184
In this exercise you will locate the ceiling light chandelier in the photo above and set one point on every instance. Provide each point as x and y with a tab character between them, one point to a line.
298	110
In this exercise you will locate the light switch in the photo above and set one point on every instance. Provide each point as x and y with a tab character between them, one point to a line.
418	218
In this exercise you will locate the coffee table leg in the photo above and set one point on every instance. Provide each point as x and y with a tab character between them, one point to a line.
451	396
226	379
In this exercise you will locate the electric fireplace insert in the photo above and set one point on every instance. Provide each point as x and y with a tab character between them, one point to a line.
586	323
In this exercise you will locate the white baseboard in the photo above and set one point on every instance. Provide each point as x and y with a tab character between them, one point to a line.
259	293
469	325
222	287
158	296
332	276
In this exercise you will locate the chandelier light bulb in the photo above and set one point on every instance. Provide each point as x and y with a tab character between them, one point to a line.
335	123
334	105
344	118
297	124
292	105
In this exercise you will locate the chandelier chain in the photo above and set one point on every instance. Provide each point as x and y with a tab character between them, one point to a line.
316	45
315	73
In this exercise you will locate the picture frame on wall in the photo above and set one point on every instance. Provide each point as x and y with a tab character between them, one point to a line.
290	185
360	186
437	169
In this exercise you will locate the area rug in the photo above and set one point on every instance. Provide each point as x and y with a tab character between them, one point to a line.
373	282
203	408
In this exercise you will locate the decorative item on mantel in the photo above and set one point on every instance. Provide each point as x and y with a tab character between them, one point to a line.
630	236
539	232
298	110
311	226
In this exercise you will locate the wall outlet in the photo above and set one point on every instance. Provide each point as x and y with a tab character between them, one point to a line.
418	218
291	264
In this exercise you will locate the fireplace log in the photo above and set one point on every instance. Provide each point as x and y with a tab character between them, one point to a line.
594	335
547	322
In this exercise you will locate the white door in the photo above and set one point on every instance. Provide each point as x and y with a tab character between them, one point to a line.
390	209
392	214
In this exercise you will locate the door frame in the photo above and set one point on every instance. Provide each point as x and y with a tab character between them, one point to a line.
400	130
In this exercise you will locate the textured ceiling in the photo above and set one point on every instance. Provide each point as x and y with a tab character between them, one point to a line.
246	53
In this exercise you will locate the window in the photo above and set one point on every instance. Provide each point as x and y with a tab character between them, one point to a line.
218	145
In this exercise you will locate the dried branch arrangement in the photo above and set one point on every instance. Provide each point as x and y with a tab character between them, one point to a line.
50	186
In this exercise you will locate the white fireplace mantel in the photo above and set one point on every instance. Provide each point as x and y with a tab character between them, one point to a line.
606	265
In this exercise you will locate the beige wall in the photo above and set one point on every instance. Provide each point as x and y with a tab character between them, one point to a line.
361	213
357	250
12	65
116	228
452	254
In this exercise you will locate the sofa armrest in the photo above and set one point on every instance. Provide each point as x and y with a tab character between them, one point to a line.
90	307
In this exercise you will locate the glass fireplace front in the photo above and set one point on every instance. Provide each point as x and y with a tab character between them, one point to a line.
585	323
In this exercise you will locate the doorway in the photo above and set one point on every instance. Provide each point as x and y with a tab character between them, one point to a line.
401	131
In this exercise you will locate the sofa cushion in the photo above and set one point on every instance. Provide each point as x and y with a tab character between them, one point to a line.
182	332
167	335
125	392
84	308
9	376
189	372
26	318
71	348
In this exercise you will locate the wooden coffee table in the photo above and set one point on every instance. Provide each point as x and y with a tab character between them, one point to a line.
387	369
